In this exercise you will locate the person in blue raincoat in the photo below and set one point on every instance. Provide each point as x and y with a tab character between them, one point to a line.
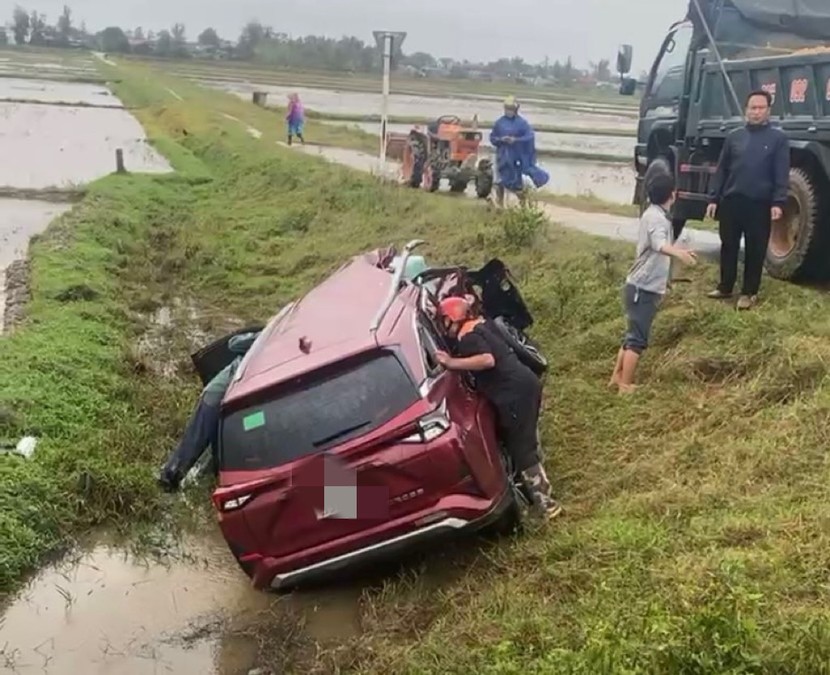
515	144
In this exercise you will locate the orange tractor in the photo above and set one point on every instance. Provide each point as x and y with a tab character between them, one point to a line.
446	150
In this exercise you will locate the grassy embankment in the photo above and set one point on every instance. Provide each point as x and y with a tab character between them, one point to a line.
696	537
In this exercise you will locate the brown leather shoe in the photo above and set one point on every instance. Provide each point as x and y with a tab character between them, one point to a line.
747	302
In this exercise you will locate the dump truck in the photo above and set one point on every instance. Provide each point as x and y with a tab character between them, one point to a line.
694	97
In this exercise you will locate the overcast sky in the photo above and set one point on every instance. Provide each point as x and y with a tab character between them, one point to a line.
473	29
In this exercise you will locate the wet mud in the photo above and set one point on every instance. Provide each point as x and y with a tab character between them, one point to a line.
172	331
105	610
16	289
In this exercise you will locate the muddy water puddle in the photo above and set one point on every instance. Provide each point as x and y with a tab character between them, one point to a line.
20	220
357	103
104	611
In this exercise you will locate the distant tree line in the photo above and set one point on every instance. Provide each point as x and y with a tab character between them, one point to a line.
258	42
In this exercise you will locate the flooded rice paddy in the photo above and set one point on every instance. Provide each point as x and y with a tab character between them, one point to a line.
56	144
404	105
63	145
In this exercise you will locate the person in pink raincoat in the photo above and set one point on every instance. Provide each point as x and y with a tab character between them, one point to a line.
295	117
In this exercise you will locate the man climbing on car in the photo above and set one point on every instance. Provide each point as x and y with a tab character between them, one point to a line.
511	387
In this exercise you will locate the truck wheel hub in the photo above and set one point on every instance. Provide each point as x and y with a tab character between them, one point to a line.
784	232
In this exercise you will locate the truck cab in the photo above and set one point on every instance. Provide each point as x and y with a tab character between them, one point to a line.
687	109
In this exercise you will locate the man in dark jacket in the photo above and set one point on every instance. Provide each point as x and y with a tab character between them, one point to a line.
511	387
748	192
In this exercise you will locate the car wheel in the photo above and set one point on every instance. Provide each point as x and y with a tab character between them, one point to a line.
513	517
510	521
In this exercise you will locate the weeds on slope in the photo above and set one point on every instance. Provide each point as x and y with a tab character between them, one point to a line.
241	228
695	535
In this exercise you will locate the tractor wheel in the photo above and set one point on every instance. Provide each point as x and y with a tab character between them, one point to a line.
417	175
458	185
432	178
418	153
484	184
797	241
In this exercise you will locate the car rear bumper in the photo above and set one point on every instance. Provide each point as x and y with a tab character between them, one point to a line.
447	521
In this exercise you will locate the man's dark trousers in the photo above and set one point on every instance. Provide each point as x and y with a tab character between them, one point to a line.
741	216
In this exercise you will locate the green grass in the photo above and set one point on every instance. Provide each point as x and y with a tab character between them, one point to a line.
696	533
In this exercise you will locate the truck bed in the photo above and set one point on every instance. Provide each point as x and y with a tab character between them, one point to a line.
799	83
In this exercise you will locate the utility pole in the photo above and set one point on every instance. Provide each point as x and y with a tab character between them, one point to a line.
386	41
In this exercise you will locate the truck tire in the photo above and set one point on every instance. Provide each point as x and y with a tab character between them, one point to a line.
797	240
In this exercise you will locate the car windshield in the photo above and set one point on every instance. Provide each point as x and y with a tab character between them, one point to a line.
316	414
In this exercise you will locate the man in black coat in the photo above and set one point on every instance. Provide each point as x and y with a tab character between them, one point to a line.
748	192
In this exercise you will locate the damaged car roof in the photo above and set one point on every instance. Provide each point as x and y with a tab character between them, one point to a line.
330	323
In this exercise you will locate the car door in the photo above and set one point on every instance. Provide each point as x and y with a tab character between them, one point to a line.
500	296
212	358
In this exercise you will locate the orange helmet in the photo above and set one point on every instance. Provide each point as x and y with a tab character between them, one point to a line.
455	309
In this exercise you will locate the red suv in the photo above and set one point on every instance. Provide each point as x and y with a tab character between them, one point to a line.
342	440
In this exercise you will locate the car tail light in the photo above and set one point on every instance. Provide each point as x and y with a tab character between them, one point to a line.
234	503
431	426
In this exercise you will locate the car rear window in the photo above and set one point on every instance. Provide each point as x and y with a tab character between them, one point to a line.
316	414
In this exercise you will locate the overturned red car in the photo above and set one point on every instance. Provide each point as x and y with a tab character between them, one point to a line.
343	441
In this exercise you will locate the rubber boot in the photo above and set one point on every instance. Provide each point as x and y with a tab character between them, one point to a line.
538	484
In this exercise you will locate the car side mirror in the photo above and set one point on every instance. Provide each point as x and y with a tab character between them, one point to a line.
628	86
625	57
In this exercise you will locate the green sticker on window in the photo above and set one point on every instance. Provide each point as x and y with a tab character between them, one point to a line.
253	421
